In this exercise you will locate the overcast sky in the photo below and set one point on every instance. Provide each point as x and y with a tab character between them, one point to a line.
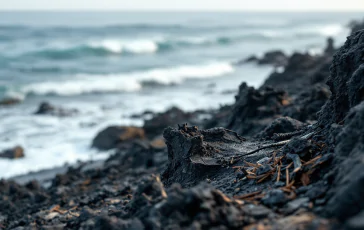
286	5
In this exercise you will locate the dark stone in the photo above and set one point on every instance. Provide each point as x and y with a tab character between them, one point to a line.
275	197
294	205
258	212
254	109
14	153
300	72
346	81
263	169
281	125
348	189
201	204
298	146
279	184
193	154
114	136
155	126
45	108
317	191
275	57
306	105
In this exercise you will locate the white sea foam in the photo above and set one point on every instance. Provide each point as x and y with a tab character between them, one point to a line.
120	46
331	30
128	82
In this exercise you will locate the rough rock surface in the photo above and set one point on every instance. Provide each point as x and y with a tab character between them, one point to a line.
281	125
255	109
195	154
305	105
347	198
347	85
346	81
155	126
302	70
117	136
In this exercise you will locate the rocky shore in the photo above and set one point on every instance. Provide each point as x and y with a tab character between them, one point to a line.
288	155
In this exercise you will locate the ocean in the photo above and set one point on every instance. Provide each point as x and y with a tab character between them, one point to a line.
111	65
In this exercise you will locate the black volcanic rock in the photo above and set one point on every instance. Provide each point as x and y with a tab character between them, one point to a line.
305	105
154	127
281	125
45	108
348	190
300	72
346	81
275	57
115	136
255	109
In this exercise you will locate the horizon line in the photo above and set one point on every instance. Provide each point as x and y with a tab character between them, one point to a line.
192	10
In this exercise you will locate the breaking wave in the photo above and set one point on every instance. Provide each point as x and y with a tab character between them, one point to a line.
127	82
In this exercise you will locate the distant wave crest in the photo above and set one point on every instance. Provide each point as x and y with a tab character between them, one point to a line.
66	49
127	82
109	47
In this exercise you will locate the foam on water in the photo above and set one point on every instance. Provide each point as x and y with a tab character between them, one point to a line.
120	46
127	82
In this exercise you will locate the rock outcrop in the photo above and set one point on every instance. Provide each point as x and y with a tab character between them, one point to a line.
45	108
255	109
117	137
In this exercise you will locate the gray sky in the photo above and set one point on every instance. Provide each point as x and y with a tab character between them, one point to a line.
286	5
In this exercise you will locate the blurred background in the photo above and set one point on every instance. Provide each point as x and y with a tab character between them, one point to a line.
102	67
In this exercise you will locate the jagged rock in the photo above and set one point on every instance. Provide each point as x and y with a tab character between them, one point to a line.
252	58
194	154
155	126
347	200
275	198
346	81
14	153
281	125
117	136
275	57
299	73
139	154
201	207
306	105
255	109
298	146
46	108
149	192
